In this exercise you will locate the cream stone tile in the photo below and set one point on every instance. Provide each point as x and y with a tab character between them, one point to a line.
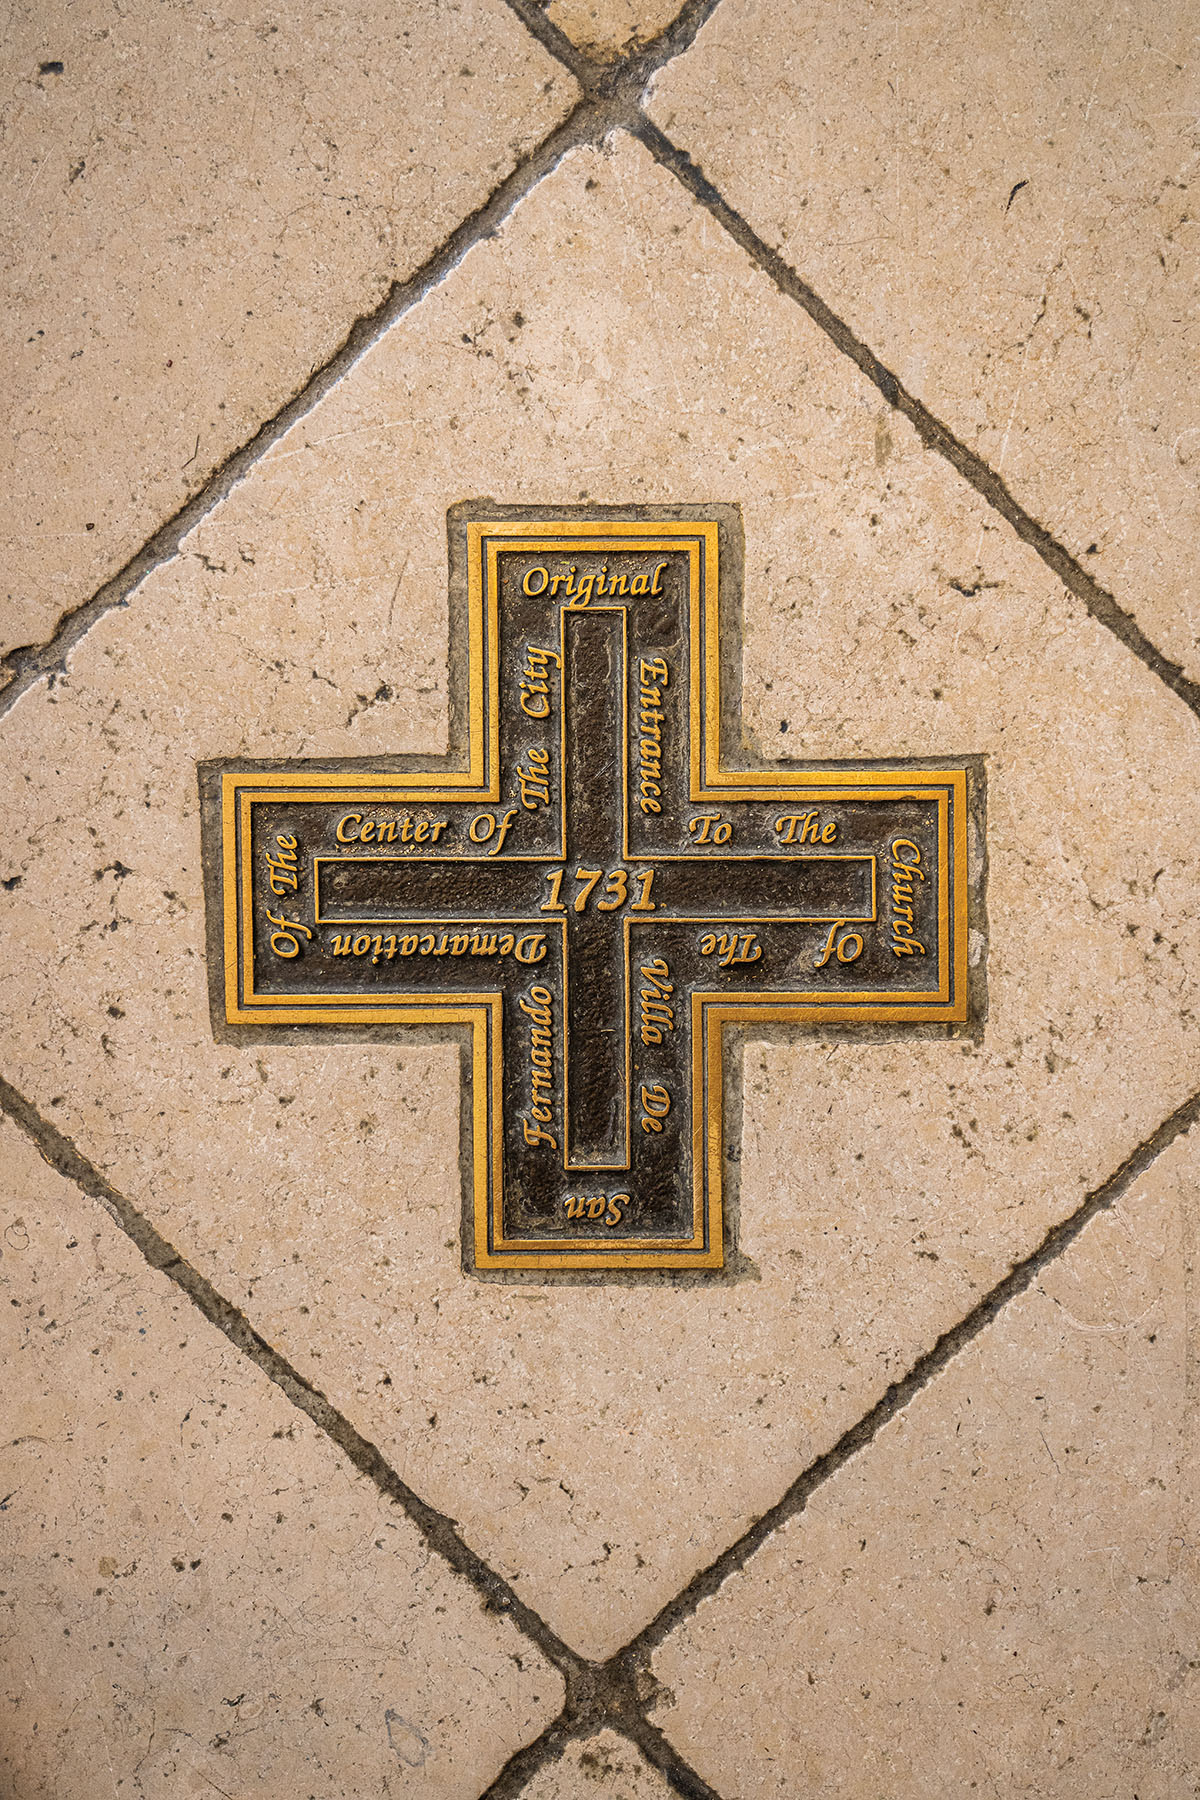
997	1596
1001	201
604	1767
602	1442
199	203
200	1596
610	28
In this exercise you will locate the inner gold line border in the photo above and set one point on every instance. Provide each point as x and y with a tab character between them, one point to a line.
710	779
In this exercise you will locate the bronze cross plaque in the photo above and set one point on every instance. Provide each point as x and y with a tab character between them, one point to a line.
595	891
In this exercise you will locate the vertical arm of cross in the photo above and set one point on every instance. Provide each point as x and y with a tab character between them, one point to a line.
595	1000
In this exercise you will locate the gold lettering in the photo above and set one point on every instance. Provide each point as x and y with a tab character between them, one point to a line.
535	680
811	829
656	1104
655	676
906	868
285	940
848	946
741	947
283	868
657	1012
483	828
535	781
608	1207
355	828
537	1005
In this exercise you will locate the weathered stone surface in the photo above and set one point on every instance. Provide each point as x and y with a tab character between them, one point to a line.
995	1595
200	203
604	1767
1002	204
200	1595
609	28
600	1443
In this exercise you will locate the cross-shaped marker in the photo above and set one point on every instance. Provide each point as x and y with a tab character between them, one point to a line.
597	895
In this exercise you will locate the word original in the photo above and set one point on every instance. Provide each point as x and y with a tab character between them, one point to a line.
604	586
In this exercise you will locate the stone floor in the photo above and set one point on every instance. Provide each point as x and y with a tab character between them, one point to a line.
292	1506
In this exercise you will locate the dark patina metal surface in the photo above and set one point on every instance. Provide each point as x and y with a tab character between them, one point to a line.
599	896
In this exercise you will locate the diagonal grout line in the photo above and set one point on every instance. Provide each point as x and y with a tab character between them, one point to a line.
586	70
622	77
1102	605
646	1739
901	1393
531	1759
627	1672
439	1531
597	1695
586	123
604	1695
609	102
662	1755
